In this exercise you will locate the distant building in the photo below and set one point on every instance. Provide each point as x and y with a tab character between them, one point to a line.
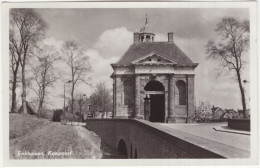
153	80
217	113
230	113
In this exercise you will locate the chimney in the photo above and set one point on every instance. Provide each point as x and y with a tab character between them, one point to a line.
170	37
136	37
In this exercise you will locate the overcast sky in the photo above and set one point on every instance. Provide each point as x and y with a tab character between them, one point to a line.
105	34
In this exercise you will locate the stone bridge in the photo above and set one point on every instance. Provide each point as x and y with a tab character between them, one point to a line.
142	139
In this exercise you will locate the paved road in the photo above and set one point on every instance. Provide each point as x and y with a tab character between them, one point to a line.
205	130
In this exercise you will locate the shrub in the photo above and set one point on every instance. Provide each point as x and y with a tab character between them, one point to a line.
57	115
47	114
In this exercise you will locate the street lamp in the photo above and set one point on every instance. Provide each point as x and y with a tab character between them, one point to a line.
64	94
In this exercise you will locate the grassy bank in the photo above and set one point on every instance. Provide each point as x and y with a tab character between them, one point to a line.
35	138
22	124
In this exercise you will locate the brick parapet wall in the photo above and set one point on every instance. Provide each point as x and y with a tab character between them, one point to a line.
153	141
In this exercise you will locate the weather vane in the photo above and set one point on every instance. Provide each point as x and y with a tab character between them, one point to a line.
146	21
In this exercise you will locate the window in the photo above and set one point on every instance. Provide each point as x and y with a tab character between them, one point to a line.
159	60
180	93
142	38
148	38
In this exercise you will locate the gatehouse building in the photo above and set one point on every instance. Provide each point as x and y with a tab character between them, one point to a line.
153	81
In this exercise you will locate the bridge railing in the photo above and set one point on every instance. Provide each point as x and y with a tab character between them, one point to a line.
142	139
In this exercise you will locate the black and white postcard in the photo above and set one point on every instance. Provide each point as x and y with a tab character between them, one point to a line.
129	83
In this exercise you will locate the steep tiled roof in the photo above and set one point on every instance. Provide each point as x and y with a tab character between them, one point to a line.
166	49
214	109
230	111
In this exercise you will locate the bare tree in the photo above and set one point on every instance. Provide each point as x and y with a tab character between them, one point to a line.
14	67
101	99
27	27
94	103
229	50
44	73
77	60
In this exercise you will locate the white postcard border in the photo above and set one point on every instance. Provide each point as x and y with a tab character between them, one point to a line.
136	162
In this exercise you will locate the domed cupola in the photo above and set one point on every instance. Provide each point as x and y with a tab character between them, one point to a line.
145	35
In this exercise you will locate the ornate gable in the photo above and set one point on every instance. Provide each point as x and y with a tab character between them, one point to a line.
153	58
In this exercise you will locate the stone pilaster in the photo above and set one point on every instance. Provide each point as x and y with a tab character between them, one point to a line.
190	94
171	97
146	108
137	97
118	97
114	96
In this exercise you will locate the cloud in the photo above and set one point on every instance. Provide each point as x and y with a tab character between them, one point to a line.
114	42
101	69
109	47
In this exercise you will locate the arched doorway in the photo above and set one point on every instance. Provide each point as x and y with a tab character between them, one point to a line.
122	148
155	90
